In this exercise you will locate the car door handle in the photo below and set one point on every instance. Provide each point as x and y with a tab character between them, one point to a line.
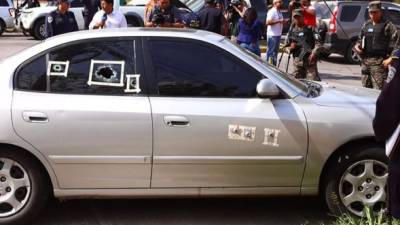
35	117
176	121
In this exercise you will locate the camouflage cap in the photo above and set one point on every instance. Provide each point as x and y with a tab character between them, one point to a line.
298	12
374	6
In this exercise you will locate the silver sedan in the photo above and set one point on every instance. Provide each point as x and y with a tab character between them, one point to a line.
163	112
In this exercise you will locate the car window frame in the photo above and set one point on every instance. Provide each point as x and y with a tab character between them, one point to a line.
152	76
139	43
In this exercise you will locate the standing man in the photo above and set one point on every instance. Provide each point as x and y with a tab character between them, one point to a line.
212	18
90	7
305	46
164	15
61	20
310	18
387	118
373	47
274	24
107	17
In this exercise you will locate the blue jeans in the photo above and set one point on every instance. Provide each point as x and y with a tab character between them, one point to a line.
272	49
252	47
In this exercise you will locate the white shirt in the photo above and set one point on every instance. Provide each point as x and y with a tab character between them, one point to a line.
276	29
114	20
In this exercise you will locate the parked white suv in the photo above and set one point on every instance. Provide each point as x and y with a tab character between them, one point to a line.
6	20
33	19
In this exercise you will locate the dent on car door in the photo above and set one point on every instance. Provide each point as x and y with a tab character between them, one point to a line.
210	128
85	107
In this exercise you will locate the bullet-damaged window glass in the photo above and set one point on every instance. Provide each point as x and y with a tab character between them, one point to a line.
191	68
91	67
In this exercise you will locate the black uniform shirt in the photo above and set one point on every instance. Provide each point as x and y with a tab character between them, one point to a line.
387	115
211	19
59	23
90	7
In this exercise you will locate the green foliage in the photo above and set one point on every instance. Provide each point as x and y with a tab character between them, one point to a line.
370	219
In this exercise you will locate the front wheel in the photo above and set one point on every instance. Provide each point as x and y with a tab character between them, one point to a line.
23	188
39	31
355	180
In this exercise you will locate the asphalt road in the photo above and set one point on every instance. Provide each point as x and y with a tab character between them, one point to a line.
229	211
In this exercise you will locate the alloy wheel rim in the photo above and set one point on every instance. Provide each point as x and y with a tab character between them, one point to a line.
354	56
363	184
15	187
42	30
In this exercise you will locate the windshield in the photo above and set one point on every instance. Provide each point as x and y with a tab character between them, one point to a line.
298	84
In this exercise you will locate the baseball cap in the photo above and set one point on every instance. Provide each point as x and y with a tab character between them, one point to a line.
298	12
374	6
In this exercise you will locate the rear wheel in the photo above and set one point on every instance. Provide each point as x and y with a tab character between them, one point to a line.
2	27
132	22
24	190
351	55
355	180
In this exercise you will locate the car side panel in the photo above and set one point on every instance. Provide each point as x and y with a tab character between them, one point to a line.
330	128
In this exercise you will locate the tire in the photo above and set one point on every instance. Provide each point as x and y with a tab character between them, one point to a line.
349	184
2	27
39	29
351	55
24	185
132	22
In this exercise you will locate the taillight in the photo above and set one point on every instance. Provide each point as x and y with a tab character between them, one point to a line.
332	21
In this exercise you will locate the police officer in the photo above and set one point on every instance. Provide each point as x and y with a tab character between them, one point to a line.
90	7
305	44
387	118
373	46
212	19
61	20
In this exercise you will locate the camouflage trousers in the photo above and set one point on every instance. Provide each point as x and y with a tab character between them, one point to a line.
305	70
373	74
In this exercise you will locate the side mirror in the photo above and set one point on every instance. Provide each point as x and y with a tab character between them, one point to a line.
267	89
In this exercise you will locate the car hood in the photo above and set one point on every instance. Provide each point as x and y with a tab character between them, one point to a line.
338	95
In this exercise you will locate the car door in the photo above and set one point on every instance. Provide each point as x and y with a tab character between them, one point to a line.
84	106
210	128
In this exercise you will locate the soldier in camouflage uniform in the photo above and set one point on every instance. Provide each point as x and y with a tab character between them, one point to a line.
373	47
305	45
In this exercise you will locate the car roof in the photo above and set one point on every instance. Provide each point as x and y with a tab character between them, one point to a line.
137	32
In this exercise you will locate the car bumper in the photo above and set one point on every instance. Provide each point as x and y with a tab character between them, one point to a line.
335	45
9	22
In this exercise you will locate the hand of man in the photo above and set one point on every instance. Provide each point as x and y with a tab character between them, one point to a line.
387	62
292	45
358	49
312	58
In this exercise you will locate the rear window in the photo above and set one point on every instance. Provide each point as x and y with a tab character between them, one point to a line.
349	13
3	3
323	11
